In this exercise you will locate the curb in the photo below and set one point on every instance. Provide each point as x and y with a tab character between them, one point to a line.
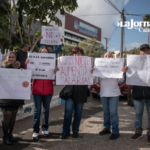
28	109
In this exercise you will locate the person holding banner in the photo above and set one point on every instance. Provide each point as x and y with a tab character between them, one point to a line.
141	96
109	94
10	107
42	91
75	103
50	47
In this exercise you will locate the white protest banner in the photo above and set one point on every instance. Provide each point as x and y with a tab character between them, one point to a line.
51	35
42	65
74	70
138	72
15	84
108	67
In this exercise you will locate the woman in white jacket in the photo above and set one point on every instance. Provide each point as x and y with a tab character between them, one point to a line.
109	94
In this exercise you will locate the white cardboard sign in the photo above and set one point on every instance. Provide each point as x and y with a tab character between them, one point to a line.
138	72
74	70
42	65
108	67
51	35
15	84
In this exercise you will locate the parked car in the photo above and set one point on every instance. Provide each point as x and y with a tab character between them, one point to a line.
95	89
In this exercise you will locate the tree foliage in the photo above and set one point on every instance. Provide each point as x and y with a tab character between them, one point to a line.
132	51
4	23
66	49
92	48
42	12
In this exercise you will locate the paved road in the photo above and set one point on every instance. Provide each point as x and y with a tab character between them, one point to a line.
89	139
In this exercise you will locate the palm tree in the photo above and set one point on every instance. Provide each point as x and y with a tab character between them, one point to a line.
147	19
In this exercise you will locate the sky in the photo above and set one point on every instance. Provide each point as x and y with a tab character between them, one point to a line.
92	10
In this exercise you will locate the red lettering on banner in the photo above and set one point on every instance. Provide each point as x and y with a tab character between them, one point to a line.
74	80
62	71
49	34
88	61
78	80
63	79
85	81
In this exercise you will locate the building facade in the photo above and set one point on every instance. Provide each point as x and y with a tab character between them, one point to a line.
74	30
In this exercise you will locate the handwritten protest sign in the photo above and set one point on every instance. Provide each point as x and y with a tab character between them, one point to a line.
108	67
74	70
15	84
138	72
51	35
42	65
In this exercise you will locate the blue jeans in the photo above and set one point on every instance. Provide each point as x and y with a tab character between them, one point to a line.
139	108
110	108
71	106
38	100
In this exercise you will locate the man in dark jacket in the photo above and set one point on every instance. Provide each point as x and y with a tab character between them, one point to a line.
141	95
22	54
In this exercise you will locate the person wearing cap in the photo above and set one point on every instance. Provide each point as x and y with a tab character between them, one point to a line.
50	47
141	95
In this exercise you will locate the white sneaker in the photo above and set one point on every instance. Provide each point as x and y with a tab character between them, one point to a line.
35	136
46	133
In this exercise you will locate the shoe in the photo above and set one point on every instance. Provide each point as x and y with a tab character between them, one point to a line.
104	131
114	136
136	136
46	133
7	140
75	135
148	139
64	136
11	138
35	136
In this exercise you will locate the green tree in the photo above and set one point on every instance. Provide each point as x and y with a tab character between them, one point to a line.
66	49
92	48
132	51
147	19
4	23
41	12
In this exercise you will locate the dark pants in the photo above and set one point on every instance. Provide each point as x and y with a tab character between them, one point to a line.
139	109
71	106
130	99
9	118
38	100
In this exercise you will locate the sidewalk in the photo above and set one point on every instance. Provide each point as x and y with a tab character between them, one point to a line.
89	139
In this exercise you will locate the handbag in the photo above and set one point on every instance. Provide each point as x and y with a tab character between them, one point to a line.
66	92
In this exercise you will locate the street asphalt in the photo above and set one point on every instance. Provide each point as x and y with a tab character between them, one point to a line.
89	139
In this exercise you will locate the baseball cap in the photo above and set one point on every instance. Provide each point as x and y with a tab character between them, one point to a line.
144	46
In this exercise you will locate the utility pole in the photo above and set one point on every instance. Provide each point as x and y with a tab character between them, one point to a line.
122	32
106	42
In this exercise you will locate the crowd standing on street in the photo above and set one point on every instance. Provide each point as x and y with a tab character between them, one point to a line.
42	92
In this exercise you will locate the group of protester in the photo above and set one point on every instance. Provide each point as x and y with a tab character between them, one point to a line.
42	91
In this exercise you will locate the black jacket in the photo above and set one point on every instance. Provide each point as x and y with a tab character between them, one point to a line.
21	57
8	102
80	93
141	92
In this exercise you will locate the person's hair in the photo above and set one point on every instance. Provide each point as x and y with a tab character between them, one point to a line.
11	52
49	46
77	49
43	47
23	45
